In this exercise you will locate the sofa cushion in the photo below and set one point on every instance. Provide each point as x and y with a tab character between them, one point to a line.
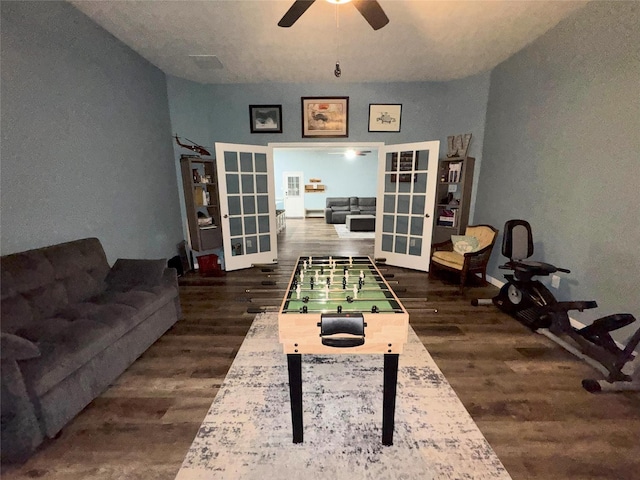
367	202
46	300
15	313
47	279
28	270
119	318
17	348
63	349
340	209
145	300
127	273
337	201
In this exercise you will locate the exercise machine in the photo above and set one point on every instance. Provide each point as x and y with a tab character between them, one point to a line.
530	301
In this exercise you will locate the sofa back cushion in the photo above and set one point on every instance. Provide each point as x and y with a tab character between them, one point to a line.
338	202
367	202
367	205
38	283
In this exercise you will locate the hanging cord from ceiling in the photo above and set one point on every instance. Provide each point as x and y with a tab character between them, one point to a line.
337	72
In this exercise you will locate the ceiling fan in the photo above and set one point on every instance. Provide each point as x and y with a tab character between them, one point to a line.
351	153
369	9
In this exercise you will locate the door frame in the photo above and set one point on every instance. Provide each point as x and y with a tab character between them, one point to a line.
320	146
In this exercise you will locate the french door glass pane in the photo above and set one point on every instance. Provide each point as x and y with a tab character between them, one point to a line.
402	224
251	245
265	243
415	246
263	203
387	223
247	184
248	204
261	162
401	244
233	183
246	162
235	226
261	184
233	202
249	225
263	224
231	161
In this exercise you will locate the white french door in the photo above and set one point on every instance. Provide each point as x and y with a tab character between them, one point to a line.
293	185
407	178
247	205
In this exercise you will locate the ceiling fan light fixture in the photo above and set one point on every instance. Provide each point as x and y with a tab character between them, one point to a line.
338	2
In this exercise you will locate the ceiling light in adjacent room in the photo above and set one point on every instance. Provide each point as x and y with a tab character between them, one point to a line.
350	154
207	62
338	2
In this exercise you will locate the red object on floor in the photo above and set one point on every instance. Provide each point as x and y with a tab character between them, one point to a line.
209	265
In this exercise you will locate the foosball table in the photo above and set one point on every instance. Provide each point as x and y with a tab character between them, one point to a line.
341	305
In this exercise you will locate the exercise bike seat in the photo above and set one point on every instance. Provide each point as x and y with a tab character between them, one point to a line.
531	267
517	246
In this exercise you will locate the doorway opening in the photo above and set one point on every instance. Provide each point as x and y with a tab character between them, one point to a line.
326	169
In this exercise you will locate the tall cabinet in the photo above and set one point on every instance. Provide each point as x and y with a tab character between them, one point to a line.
453	197
200	183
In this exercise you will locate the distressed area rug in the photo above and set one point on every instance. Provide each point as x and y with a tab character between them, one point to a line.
247	432
343	232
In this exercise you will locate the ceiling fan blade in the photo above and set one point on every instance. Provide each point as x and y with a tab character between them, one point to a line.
372	13
295	12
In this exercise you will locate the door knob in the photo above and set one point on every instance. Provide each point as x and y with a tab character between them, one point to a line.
225	216
427	215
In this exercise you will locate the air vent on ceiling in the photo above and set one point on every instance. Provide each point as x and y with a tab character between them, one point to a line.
209	62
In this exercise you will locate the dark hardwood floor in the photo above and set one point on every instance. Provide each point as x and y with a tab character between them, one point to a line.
522	390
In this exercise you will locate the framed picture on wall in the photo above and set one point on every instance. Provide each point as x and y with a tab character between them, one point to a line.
384	117
265	118
325	117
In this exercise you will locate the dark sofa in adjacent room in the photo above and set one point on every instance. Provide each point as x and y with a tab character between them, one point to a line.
337	208
70	326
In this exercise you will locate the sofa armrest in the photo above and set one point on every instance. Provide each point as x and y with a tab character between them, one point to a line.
13	347
170	277
20	429
128	273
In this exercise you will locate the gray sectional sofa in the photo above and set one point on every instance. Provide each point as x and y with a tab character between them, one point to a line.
337	208
70	326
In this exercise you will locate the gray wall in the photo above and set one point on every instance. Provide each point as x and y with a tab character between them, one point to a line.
86	147
430	111
561	151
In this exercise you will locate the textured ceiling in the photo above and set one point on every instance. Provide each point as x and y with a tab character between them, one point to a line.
424	40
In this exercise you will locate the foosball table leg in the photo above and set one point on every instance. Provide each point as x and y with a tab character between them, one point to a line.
389	397
294	363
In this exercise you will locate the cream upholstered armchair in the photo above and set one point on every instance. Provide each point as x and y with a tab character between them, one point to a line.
465	254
